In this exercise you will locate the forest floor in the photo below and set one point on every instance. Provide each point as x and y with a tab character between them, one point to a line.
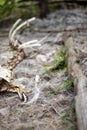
53	108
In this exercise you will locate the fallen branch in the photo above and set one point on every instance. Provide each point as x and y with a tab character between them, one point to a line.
4	35
59	31
79	80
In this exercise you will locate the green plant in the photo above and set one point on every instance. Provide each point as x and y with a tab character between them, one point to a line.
47	70
31	127
13	8
52	93
72	112
54	6
63	117
72	127
2	2
30	10
67	84
69	119
21	128
60	62
7	7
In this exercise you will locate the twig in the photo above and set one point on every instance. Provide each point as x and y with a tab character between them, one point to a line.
58	31
55	110
4	35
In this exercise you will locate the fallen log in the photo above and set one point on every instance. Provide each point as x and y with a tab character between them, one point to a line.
79	81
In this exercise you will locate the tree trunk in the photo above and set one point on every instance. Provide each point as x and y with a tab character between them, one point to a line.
44	8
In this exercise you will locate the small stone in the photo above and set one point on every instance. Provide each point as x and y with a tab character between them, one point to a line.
41	58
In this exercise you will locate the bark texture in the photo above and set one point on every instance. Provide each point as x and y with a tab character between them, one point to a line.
80	82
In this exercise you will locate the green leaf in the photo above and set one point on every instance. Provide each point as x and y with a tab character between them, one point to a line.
2	2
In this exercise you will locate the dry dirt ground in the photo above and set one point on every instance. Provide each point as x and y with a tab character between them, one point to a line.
49	107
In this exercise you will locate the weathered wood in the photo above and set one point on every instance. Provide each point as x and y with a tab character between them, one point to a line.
80	82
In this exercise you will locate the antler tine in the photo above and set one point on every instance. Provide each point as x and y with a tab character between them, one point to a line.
12	29
22	25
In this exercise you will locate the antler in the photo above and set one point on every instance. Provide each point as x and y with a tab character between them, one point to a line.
12	35
7	85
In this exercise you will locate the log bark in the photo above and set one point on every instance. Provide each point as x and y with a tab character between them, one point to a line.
79	80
